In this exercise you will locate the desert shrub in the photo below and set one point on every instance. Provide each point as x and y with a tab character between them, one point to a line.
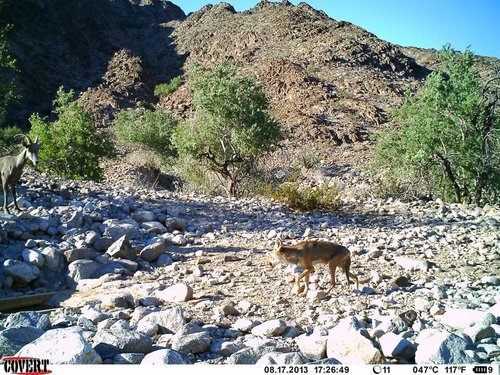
307	198
71	146
307	158
150	129
445	140
163	90
230	128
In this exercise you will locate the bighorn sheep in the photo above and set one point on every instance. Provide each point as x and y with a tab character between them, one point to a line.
11	168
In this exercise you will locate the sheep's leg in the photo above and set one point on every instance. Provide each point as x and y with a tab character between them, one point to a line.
5	188
15	197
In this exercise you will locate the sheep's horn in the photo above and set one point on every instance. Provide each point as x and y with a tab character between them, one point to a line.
22	136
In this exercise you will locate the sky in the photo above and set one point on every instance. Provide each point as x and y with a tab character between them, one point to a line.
417	23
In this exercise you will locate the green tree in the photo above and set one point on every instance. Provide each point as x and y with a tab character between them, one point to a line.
230	127
149	129
447	135
71	146
7	67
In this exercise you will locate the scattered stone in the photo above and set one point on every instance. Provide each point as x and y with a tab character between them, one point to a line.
78	254
176	293
395	346
34	257
151	252
246	356
225	348
122	248
270	328
21	272
312	346
400	281
351	344
437	347
77	350
412	264
409	317
31	319
194	343
84	269
276	358
479	331
109	342
165	357
13	339
462	318
128	358
244	325
170	320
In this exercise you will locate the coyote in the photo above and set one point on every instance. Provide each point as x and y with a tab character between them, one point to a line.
308	253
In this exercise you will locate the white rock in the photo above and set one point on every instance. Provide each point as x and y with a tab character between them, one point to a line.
244	325
165	357
33	257
21	271
62	346
396	346
312	346
462	318
171	319
436	347
349	343
176	293
270	328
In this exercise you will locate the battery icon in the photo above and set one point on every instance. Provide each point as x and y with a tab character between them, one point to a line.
480	369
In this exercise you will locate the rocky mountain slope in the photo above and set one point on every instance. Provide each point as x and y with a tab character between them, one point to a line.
71	43
326	80
147	276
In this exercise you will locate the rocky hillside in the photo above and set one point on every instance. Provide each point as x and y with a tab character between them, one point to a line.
326	80
71	43
145	276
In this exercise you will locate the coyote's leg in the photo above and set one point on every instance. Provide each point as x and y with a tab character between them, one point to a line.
346	267
299	277
333	266
306	288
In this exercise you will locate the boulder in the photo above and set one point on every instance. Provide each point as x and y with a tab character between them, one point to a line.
441	347
194	343
151	252
312	346
349	343
77	350
109	342
13	339
32	319
462	318
122	248
395	346
165	357
83	269
169	320
176	293
270	328
21	272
